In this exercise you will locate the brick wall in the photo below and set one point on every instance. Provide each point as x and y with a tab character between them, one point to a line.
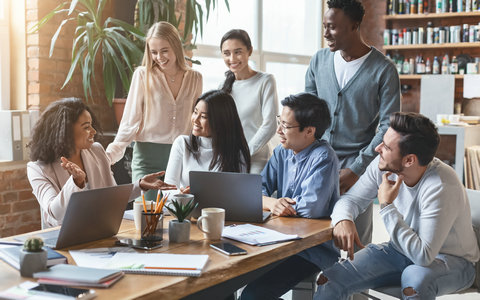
19	210
373	24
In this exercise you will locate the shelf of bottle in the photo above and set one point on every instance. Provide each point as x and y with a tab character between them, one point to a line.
432	16
432	46
419	76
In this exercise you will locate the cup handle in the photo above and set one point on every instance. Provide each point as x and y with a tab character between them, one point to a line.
199	223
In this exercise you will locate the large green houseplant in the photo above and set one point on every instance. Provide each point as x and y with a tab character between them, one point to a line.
116	43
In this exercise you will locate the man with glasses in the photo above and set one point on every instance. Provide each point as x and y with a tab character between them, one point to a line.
303	172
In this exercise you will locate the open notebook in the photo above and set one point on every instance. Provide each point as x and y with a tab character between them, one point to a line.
158	263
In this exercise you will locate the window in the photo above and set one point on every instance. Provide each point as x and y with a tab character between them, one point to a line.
4	56
284	34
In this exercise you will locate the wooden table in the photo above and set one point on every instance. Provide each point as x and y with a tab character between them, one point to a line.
219	269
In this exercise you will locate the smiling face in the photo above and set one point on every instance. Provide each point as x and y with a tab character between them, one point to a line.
200	124
83	132
389	151
339	29
162	54
235	55
288	130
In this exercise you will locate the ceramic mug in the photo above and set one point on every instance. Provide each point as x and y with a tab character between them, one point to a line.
211	222
137	212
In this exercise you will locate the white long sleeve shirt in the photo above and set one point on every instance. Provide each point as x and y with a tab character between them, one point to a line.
165	117
429	218
257	105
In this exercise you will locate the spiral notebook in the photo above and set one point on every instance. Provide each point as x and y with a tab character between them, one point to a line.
159	263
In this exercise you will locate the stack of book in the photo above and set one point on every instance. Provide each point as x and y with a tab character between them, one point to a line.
11	255
472	167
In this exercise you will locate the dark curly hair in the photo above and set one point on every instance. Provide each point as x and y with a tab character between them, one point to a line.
351	8
52	135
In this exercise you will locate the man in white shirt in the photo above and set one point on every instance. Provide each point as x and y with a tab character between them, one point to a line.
425	210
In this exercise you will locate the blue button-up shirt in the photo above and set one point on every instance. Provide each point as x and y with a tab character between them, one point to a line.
309	177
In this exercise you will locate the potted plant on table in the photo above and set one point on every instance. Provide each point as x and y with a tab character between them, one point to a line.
179	229
33	258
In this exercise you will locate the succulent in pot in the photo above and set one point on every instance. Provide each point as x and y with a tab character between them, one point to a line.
179	229
33	258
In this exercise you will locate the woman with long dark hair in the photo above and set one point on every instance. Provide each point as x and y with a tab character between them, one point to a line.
216	143
255	95
66	159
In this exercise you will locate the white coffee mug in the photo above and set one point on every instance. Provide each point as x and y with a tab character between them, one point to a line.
211	222
137	212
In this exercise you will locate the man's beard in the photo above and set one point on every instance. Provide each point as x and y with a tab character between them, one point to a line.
394	166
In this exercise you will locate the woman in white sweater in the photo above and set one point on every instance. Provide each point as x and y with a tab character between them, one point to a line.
216	143
159	103
255	94
66	159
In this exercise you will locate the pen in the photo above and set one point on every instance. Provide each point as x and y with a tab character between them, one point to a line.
144	204
172	268
11	243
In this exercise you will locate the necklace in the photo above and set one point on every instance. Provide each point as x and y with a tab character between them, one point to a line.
172	79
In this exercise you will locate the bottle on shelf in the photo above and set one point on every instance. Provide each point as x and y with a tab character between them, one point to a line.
420	6
429	33
438	6
436	66
420	65
406	67
459	5
445	65
466	33
454	65
428	67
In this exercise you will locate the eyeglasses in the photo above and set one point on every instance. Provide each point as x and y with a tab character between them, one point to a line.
283	126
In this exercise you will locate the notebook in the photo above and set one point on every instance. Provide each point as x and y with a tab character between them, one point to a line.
159	263
239	194
80	275
11	255
91	215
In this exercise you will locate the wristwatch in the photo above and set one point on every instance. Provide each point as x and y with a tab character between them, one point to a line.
383	205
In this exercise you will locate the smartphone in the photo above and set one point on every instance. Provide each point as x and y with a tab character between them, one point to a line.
139	244
75	293
229	249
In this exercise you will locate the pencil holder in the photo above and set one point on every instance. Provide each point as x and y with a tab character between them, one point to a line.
152	226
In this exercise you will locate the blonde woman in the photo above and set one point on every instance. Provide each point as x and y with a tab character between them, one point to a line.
159	103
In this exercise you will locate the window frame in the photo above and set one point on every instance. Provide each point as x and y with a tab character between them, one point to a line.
261	57
5	56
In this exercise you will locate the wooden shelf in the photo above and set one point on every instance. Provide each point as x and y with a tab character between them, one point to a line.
432	16
419	76
433	46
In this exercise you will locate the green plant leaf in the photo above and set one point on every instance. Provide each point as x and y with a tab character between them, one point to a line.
55	36
73	4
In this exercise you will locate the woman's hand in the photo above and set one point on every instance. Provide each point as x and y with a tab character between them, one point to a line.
75	171
151	182
185	190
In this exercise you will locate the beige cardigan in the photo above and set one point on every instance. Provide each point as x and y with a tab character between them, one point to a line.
52	185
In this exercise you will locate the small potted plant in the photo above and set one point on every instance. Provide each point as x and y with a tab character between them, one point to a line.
33	258
179	229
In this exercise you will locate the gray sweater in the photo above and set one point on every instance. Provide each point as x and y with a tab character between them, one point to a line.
429	218
365	102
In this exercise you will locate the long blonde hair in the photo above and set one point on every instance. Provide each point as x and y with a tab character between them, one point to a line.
165	31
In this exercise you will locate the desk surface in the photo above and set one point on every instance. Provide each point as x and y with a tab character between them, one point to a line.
220	268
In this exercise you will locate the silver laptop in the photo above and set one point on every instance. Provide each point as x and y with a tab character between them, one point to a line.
239	194
91	215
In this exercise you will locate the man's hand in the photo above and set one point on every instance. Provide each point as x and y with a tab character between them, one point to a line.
345	237
151	182
281	207
347	180
388	190
75	171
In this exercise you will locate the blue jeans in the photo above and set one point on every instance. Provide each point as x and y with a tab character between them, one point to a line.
382	265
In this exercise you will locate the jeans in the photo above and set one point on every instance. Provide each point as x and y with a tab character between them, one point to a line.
382	265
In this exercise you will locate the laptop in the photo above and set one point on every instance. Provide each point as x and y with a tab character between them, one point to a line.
239	194
91	215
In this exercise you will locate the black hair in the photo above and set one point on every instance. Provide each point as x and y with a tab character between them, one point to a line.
351	8
309	111
234	34
230	148
419	135
52	135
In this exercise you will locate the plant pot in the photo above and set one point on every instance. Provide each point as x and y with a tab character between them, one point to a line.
32	262
178	232
118	108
